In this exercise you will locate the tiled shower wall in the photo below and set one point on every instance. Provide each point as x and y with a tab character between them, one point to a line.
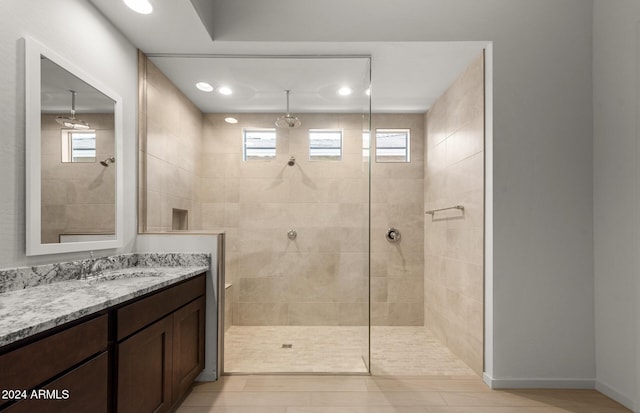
454	239
195	163
397	200
171	154
320	278
68	188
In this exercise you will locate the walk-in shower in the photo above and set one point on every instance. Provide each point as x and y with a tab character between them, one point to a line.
297	226
334	262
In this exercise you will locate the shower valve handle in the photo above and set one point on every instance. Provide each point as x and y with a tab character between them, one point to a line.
392	235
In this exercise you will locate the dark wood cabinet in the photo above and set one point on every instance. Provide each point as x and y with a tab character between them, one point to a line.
83	389
141	356
158	363
144	369
188	346
132	317
28	366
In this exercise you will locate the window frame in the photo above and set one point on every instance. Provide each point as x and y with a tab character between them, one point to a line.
67	147
323	157
255	158
407	148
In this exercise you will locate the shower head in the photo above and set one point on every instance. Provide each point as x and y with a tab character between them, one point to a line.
107	161
292	161
288	121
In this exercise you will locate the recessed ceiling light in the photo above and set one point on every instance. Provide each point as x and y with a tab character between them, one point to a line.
231	120
224	90
344	91
139	6
204	86
368	92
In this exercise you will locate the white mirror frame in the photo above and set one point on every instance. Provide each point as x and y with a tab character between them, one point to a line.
33	51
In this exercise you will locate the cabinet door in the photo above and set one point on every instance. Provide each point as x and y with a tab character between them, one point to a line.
188	345
83	389
144	370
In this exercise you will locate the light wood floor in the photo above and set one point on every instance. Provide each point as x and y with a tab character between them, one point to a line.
383	394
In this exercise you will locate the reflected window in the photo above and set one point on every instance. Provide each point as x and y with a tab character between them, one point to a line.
78	146
392	145
259	144
325	145
366	136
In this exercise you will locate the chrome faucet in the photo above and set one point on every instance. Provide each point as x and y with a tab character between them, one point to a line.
86	266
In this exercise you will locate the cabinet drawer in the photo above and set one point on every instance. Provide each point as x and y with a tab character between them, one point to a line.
37	362
83	389
135	316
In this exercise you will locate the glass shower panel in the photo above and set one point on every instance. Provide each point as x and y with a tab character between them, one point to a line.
365	294
297	226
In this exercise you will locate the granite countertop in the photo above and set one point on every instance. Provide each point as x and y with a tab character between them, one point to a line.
29	311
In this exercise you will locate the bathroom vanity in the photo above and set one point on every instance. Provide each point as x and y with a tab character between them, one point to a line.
125	340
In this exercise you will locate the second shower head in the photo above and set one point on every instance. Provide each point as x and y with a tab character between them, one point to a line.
107	161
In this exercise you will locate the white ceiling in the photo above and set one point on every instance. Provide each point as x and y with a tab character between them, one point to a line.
406	77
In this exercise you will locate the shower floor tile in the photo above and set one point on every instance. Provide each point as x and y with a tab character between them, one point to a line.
407	351
318	349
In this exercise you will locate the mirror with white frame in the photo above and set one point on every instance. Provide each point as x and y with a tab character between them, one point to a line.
73	148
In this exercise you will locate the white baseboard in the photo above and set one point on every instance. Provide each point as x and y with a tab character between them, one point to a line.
617	396
539	383
562	384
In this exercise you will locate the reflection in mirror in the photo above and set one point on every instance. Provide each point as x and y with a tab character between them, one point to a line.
77	129
73	144
78	146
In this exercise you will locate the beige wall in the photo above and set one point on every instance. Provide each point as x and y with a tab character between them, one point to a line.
397	200
454	174
77	198
171	155
321	277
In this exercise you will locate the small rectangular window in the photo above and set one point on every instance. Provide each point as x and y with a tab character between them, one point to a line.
259	144
392	145
325	145
78	146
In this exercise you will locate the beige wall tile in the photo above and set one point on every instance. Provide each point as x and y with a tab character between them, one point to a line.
263	290
324	313
325	201
353	314
454	174
405	289
174	143
353	288
260	314
379	289
379	314
402	314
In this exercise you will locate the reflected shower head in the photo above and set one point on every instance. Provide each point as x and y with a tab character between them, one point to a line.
107	161
70	121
